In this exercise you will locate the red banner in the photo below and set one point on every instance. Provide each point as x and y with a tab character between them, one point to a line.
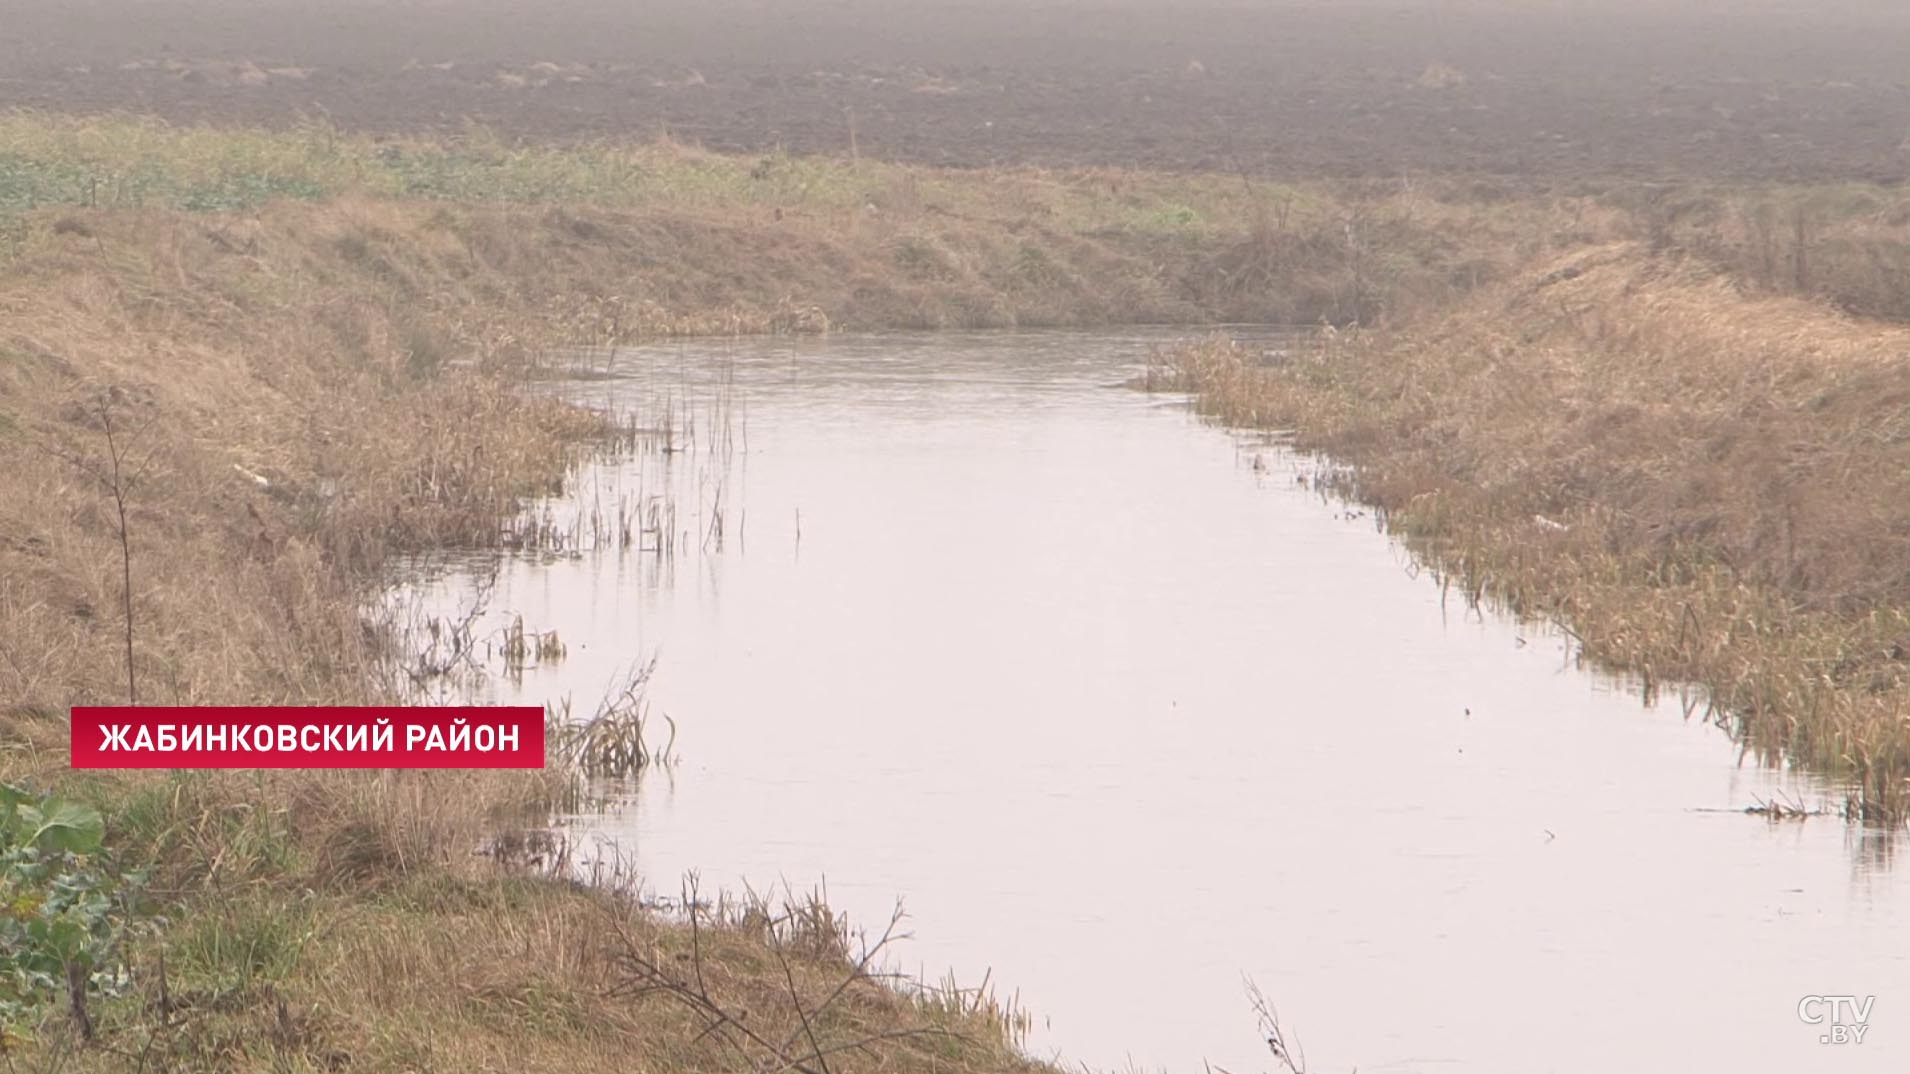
308	737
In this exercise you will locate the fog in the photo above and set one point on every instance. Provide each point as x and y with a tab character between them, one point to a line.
1777	89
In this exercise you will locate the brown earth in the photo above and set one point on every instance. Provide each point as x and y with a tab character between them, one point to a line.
1555	88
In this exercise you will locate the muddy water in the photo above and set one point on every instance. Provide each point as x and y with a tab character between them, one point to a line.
1125	714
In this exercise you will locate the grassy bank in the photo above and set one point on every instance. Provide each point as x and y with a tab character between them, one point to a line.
630	240
1707	480
291	358
337	921
308	344
241	372
246	370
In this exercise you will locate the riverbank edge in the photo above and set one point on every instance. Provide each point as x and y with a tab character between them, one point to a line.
294	375
1700	482
314	346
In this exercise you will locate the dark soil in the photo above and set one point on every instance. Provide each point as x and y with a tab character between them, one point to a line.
1553	88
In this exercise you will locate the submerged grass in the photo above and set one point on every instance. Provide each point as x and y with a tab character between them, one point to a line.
616	741
1704	484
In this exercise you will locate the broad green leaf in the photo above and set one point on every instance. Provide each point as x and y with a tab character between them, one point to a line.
67	826
12	799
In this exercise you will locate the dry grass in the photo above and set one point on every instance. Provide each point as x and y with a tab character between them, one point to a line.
321	362
396	921
309	388
619	240
1848	244
1705	485
295	420
316	345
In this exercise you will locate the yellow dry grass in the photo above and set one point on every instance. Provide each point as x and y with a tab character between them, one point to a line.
396	921
307	389
1705	485
311	345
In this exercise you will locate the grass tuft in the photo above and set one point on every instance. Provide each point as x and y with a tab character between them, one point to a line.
1704	486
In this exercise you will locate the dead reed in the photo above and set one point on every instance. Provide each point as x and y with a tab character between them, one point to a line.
326	384
659	490
330	348
612	742
332	920
1703	487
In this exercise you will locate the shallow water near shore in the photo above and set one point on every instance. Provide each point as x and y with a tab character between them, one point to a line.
1126	713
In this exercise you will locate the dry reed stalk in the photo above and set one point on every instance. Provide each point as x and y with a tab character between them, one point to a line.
1704	488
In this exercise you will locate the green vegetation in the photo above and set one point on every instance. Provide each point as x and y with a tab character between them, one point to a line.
337	920
135	163
68	909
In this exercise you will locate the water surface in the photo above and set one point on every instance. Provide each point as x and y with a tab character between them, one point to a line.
1125	713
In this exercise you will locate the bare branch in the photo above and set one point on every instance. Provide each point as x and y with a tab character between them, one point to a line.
1286	1048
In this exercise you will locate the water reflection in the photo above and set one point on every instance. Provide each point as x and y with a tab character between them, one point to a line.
1124	715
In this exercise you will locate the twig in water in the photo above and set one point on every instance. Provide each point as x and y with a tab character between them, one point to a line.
1287	1052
